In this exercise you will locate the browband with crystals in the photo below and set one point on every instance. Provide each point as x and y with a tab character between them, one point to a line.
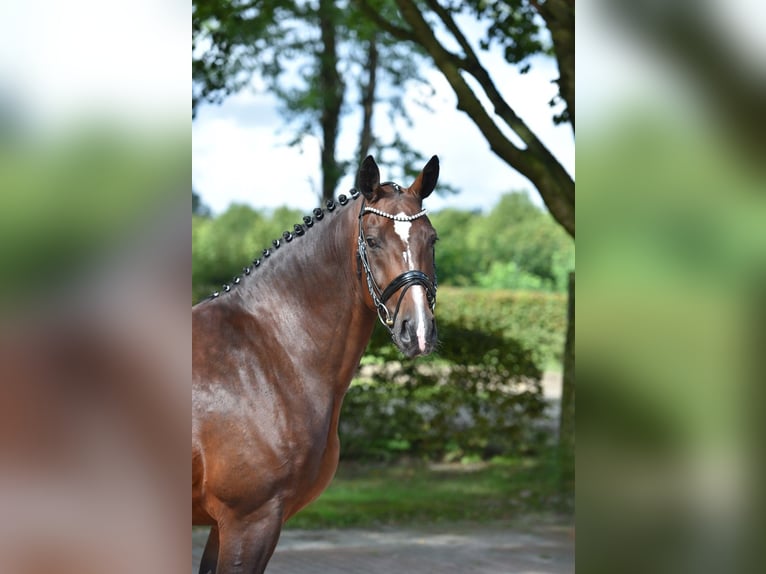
394	217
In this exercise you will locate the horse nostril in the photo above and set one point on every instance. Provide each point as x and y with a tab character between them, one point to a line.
404	332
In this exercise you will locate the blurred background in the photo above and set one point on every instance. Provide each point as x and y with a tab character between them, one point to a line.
94	328
671	210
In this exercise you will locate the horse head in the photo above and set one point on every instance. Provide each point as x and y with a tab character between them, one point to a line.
396	251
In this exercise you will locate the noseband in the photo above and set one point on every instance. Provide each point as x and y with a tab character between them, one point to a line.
403	281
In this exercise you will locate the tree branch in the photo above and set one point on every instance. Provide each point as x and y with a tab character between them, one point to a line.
471	64
536	162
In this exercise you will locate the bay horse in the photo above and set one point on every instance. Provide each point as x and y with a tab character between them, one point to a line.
274	352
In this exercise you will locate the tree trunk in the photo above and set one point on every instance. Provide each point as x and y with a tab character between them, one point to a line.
368	99
331	94
567	415
559	16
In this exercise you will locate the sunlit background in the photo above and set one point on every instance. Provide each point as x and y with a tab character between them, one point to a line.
670	279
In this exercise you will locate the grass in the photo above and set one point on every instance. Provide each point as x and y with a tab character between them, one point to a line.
369	495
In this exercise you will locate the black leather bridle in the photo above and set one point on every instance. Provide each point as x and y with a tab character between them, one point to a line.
403	281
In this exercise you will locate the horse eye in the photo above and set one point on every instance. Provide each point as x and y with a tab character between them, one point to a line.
372	243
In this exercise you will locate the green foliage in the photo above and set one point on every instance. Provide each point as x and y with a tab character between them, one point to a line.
508	276
222	246
515	26
225	38
454	252
515	246
446	412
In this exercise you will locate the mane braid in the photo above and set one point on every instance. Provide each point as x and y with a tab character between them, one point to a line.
299	229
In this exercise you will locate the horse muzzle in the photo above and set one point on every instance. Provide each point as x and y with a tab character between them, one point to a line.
412	324
415	337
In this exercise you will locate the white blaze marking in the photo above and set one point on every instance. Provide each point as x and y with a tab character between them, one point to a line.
402	229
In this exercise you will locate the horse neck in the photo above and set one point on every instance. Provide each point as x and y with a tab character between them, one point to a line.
311	291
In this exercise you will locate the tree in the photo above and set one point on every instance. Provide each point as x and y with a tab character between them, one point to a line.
223	245
233	40
456	253
518	231
517	245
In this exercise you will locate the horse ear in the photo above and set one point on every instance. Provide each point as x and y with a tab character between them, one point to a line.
426	180
368	178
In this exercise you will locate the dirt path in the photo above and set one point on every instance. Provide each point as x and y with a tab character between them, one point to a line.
544	548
